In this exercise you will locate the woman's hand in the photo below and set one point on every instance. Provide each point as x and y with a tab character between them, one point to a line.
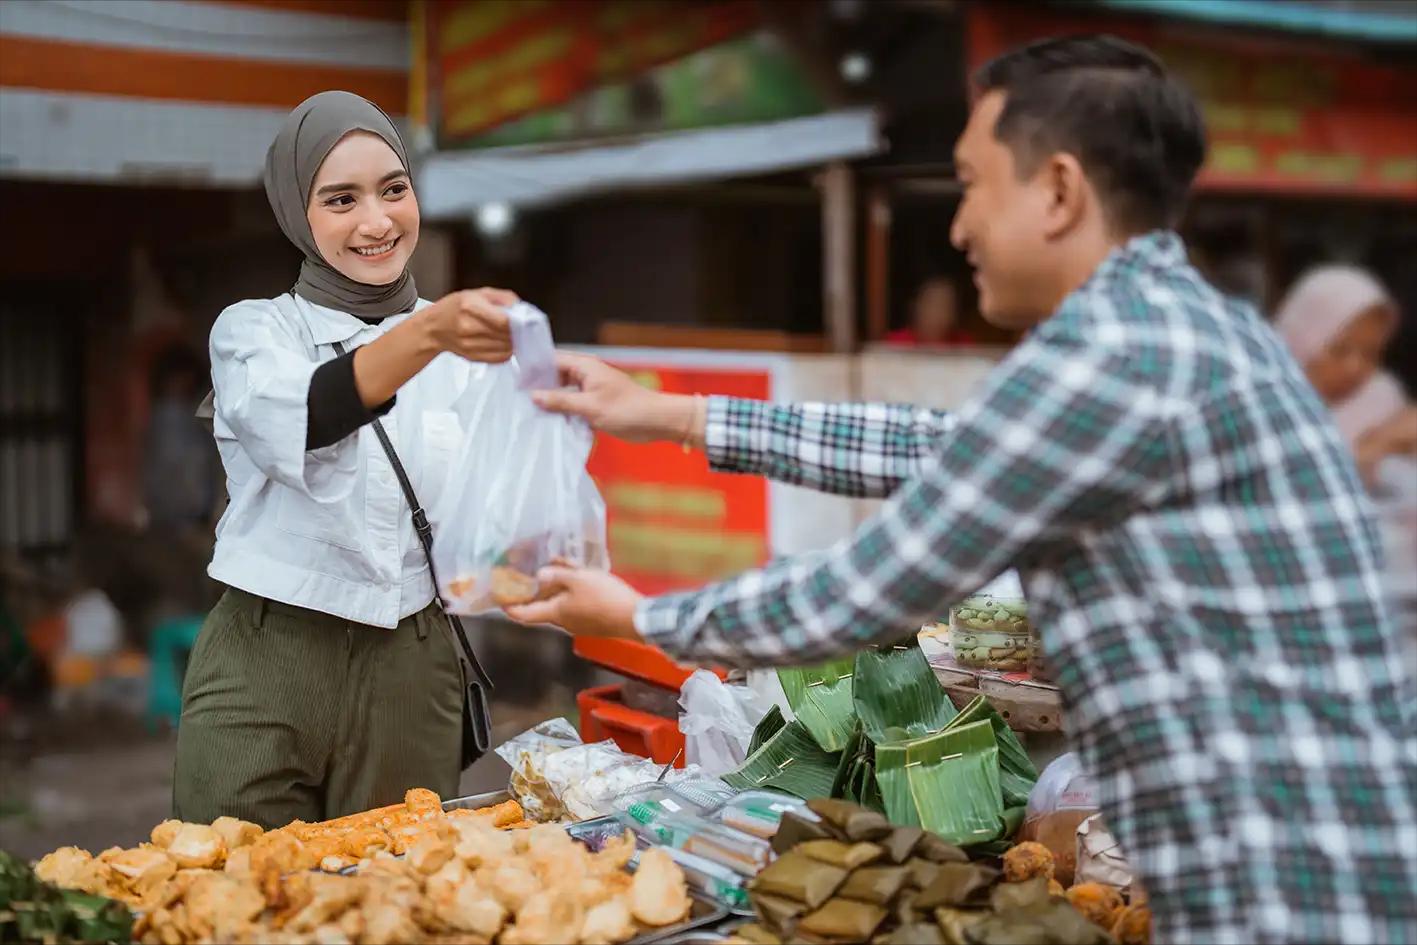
470	323
610	400
583	602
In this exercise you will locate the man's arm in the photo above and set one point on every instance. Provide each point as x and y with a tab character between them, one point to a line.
863	450
1061	439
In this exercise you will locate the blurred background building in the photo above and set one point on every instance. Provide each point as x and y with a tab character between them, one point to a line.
745	196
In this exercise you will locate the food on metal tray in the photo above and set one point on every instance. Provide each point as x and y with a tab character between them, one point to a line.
658	895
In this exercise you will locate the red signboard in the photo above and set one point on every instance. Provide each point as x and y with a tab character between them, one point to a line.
1281	115
672	523
495	60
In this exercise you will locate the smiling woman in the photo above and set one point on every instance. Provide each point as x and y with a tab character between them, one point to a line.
364	219
327	680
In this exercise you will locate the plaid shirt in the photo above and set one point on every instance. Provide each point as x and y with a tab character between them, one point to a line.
1194	542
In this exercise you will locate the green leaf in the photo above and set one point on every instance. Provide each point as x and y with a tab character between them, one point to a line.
820	697
897	695
770	725
1017	775
790	761
947	783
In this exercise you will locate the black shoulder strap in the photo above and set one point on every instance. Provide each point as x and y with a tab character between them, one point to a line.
425	538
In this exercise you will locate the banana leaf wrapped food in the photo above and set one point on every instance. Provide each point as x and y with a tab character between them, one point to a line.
798	877
847	856
843	919
875	884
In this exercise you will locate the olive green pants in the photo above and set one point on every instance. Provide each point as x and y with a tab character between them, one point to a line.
289	714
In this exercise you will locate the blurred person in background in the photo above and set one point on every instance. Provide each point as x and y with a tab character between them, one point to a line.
1190	530
327	679
1339	321
179	460
934	316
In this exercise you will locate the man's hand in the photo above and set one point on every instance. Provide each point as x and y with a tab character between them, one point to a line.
610	400
582	602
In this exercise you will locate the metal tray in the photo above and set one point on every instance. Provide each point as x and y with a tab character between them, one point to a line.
478	801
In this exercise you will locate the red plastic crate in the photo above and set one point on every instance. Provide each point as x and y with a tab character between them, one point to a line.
604	715
638	661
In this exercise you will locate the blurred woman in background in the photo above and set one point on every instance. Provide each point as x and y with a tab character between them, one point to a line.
1338	321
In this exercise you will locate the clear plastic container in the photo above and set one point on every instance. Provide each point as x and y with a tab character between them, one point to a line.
759	813
700	836
992	633
647	803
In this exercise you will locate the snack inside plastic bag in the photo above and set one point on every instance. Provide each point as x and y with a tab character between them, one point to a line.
527	754
1061	800
518	497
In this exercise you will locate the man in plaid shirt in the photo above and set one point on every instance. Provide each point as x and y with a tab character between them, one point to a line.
1190	530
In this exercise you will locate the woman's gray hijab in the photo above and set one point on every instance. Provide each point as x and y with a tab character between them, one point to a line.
309	134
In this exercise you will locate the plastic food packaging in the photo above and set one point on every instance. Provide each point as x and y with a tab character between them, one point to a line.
1099	856
586	779
649	802
702	837
1058	804
526	755
717	721
518	496
991	633
759	813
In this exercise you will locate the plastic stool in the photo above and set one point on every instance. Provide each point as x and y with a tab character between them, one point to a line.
171	644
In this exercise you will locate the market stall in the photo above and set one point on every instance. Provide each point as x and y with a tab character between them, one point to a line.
868	803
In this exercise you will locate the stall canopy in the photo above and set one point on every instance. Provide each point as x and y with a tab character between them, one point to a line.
535	103
456	183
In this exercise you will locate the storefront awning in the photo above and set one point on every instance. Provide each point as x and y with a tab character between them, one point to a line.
454	184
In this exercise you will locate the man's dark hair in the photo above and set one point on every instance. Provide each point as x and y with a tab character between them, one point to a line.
1134	128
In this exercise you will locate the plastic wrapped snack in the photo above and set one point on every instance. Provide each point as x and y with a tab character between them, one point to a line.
1062	799
526	755
991	633
518	497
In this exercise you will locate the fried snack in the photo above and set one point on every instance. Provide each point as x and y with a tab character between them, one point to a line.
1027	860
480	844
429	854
1098	903
142	873
1055	888
510	586
234	833
72	868
222	908
545	917
163	834
420	801
1133	926
197	847
608	923
658	895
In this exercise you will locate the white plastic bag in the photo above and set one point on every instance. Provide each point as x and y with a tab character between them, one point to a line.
1058	804
717	721
518	496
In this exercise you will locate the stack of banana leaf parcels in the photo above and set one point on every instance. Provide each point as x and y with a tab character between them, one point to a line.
852	876
879	730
